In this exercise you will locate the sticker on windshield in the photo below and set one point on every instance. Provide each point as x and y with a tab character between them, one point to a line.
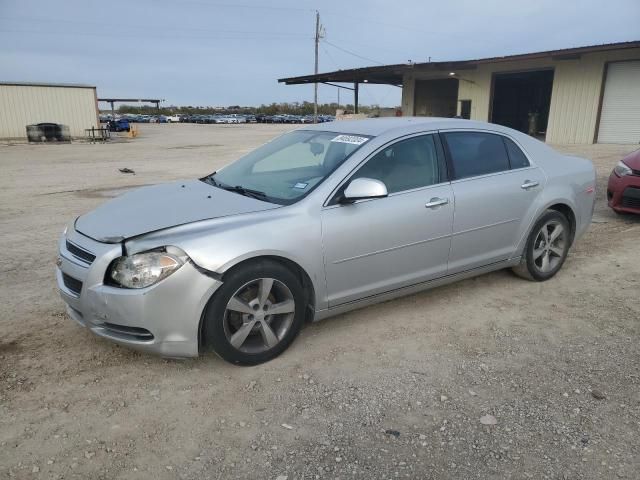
300	186
353	139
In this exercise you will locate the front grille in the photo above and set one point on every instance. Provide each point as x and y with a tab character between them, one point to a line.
630	202
79	253
72	284
631	197
134	333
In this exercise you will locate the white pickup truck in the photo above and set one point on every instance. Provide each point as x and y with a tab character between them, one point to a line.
173	118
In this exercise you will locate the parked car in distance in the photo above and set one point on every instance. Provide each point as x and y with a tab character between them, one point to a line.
623	191
355	213
173	118
119	125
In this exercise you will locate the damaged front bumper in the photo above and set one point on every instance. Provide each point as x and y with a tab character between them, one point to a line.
163	319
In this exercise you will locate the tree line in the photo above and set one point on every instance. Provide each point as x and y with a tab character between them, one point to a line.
295	108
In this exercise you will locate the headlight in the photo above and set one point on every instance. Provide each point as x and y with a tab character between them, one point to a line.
144	269
621	170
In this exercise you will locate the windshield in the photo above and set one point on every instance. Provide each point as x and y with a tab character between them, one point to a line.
289	167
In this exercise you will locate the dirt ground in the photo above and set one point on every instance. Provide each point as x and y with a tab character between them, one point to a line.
391	391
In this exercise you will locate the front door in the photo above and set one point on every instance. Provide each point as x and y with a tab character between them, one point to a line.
378	245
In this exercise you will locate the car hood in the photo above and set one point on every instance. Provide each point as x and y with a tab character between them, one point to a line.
149	209
633	160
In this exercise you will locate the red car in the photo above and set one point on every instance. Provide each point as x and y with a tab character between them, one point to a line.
623	192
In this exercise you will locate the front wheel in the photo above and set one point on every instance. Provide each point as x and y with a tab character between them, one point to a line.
546	249
256	314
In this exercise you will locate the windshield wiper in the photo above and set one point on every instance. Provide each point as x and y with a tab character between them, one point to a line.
211	181
247	192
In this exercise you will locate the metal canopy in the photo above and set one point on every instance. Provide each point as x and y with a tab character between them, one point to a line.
112	101
392	74
142	100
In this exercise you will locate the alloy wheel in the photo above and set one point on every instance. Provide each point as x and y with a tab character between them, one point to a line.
259	315
550	246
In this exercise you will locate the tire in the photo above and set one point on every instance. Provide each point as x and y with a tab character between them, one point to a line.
533	265
238	325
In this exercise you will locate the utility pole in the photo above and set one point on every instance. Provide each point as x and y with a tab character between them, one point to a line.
315	84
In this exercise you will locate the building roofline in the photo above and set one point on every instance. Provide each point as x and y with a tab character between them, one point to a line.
41	84
392	74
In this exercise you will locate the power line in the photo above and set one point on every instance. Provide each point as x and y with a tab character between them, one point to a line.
143	28
239	5
242	35
364	45
352	53
333	60
385	24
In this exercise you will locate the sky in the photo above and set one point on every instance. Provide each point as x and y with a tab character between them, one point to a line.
228	52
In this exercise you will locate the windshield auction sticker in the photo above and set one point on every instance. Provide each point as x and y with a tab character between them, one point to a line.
350	139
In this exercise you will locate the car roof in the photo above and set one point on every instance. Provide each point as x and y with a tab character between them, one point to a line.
378	126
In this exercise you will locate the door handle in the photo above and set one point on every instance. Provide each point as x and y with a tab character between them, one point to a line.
529	184
436	202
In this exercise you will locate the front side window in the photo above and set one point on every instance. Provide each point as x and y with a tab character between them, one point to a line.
405	165
287	168
476	153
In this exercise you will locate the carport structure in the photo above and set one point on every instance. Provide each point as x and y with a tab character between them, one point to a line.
112	101
385	75
574	95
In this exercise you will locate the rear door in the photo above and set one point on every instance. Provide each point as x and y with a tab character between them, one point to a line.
494	183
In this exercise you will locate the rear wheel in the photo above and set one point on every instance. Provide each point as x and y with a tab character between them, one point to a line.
256	314
546	249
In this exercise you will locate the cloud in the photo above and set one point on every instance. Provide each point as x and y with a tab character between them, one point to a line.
226	52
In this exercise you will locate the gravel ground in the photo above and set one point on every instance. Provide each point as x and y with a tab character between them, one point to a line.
493	377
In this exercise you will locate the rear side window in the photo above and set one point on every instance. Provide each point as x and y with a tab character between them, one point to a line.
476	153
516	156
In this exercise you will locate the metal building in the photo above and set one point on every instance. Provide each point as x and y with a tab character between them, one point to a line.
576	95
23	104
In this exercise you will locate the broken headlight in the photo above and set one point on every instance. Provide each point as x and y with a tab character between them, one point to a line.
144	269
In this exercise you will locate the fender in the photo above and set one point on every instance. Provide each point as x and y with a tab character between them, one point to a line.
557	197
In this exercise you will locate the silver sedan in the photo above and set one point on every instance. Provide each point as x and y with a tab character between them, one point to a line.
319	221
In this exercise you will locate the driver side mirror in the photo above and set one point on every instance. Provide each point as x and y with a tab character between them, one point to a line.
363	188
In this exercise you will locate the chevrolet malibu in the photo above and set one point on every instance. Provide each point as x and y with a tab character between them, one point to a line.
317	222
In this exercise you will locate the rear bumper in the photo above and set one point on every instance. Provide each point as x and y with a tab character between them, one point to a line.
162	319
623	193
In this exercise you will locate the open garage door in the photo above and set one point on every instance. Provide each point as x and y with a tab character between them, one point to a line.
436	98
521	101
620	114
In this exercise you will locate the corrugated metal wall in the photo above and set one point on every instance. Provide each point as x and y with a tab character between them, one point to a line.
22	105
575	99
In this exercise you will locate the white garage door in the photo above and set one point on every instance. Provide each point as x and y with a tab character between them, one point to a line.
620	116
